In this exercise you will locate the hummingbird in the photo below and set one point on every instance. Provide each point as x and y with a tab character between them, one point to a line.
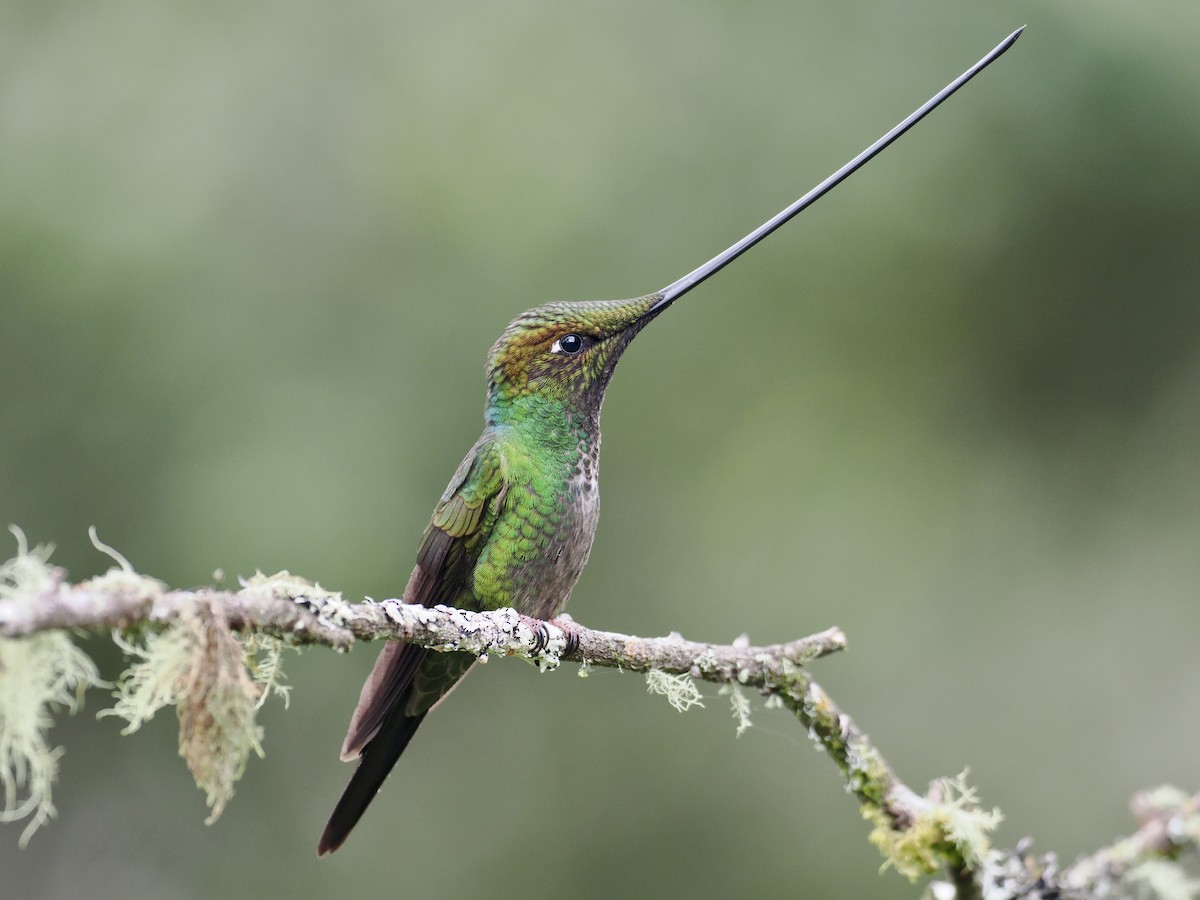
514	526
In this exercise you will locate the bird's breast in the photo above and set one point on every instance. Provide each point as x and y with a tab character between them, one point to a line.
544	533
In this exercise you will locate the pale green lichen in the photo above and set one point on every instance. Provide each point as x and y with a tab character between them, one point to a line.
123	580
1165	798
264	661
952	831
1157	879
216	682
283	585
680	690
38	675
94	537
740	705
157	678
28	574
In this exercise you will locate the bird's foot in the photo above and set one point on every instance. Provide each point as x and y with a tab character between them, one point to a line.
570	632
541	633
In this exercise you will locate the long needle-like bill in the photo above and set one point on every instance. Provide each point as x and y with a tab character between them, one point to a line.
677	289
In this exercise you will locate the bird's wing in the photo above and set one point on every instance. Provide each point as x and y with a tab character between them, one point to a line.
443	574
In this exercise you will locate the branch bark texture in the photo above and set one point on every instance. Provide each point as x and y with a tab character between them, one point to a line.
295	610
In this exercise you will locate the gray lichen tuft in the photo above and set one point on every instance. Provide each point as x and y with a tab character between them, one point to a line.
680	690
740	705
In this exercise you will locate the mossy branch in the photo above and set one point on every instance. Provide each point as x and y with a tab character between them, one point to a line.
214	654
301	613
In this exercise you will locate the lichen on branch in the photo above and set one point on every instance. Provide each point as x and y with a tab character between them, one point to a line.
39	675
215	655
216	682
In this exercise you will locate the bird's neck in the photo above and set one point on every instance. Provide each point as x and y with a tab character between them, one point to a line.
548	424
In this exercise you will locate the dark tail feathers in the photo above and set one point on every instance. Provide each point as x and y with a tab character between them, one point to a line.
377	760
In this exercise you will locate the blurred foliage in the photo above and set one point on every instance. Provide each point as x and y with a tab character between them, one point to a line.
251	258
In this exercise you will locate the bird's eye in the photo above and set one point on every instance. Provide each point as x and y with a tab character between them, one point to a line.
568	345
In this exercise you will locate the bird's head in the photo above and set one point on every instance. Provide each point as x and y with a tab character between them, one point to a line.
566	351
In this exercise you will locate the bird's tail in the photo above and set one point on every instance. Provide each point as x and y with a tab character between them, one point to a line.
377	760
405	684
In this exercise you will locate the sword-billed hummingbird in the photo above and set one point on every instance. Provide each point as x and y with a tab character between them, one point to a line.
515	525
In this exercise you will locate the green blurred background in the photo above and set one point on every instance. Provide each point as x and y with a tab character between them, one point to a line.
251	258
